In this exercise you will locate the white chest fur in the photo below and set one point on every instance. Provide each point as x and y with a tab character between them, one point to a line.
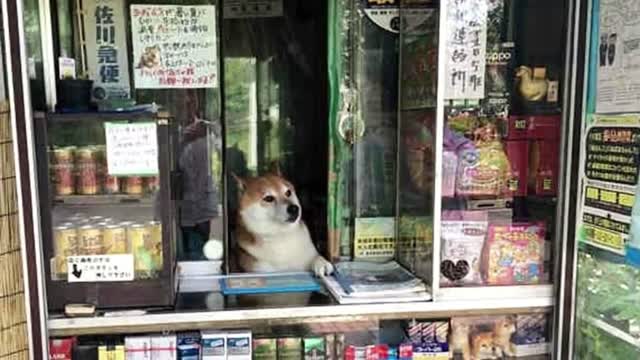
291	250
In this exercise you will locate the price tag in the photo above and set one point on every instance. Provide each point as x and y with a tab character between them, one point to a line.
100	268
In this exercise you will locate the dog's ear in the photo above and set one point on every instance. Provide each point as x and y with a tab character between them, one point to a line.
242	183
275	168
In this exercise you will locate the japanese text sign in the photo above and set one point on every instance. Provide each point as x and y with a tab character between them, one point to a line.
174	46
107	57
100	268
132	149
466	48
611	164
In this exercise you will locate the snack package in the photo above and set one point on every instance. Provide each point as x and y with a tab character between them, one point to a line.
482	337
514	254
463	235
483	171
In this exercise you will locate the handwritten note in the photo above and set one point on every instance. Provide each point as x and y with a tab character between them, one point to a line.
174	46
132	149
466	49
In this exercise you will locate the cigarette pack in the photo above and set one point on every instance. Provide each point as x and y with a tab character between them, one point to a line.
214	345
163	347
61	349
239	345
111	352
137	347
290	348
265	349
314	348
189	346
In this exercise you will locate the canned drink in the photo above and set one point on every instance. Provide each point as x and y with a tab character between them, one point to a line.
91	240
111	184
134	185
152	184
139	237
115	239
63	176
65	243
87	171
156	243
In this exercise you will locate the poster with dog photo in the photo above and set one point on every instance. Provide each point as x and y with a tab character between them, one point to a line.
174	46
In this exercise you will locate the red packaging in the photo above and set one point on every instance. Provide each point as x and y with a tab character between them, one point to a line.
543	170
517	127
354	353
544	127
61	349
405	352
518	154
377	352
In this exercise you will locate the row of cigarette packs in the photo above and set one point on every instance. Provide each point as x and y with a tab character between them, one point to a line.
204	345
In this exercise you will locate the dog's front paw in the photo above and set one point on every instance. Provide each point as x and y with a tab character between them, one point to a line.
321	266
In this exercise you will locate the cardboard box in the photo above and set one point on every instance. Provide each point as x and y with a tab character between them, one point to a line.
239	345
265	349
189	346
289	348
214	345
163	347
137	347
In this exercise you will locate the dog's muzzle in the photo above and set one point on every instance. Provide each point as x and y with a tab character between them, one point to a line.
293	212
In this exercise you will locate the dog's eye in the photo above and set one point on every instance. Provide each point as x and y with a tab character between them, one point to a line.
269	199
288	193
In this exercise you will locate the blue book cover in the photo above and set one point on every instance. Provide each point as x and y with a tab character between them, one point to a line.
246	284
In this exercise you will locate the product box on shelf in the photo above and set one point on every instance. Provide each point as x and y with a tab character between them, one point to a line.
314	348
544	166
239	345
289	348
112	352
429	339
214	345
518	154
189	346
265	349
483	337
89	352
498	85
532	336
137	347
61	349
163	347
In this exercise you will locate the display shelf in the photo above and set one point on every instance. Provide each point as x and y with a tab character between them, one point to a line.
613	331
55	118
491	293
195	319
88	200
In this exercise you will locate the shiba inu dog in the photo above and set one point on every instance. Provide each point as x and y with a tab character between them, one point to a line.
270	234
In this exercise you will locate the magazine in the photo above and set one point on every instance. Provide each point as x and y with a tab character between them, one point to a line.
342	297
366	278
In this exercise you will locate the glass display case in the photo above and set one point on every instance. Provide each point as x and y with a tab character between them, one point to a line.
108	191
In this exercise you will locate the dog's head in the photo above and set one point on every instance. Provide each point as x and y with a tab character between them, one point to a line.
268	204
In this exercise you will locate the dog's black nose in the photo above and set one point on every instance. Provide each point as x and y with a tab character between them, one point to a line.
293	210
